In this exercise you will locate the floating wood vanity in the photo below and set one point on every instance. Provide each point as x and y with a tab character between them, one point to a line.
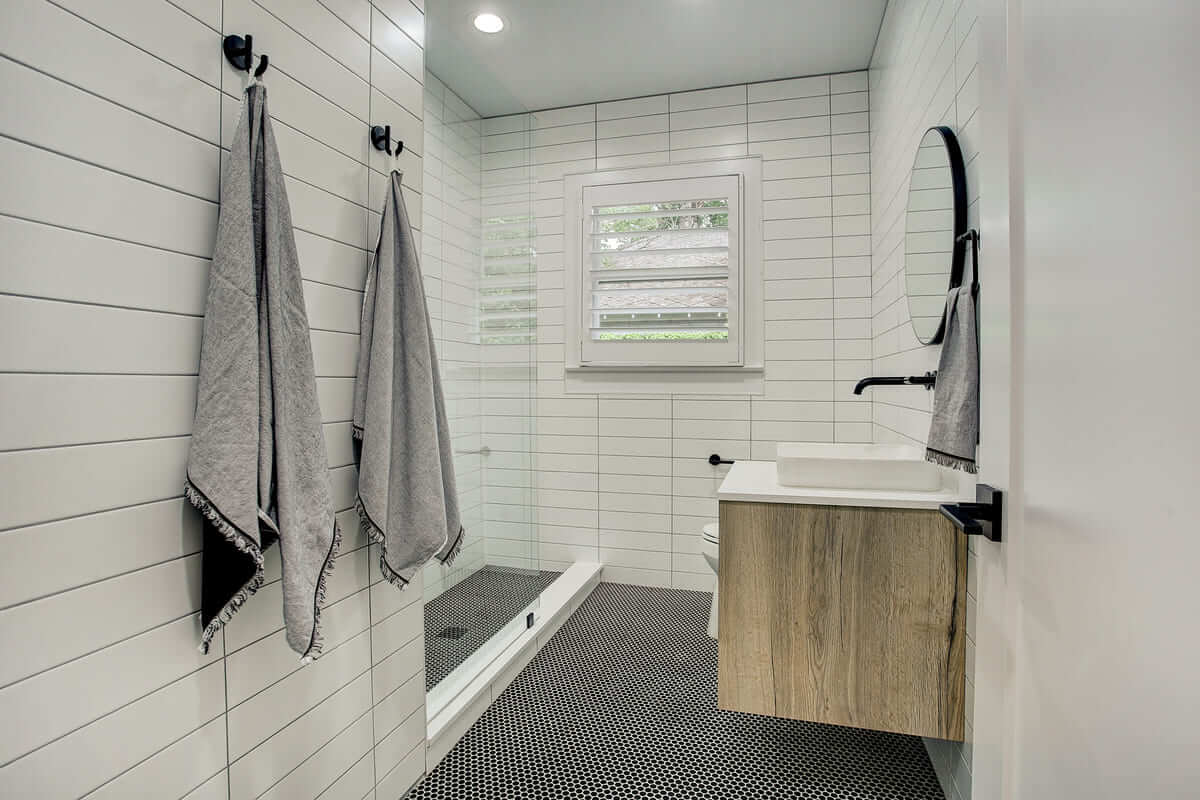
840	606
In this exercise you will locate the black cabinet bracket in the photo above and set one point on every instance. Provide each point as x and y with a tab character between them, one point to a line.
981	518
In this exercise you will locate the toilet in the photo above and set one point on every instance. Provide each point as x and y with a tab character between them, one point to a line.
709	546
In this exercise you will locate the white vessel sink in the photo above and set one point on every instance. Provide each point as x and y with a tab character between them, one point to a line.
856	466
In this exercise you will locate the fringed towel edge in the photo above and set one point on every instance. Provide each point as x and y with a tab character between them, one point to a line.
375	534
456	549
316	643
240	541
952	461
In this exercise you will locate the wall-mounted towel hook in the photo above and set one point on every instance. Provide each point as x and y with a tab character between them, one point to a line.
239	50
972	236
381	137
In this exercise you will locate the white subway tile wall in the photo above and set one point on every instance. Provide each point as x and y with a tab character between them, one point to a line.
922	74
111	134
625	479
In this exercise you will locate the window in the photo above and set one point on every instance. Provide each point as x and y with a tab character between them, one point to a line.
664	268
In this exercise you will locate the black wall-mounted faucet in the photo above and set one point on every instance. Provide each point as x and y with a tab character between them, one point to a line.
927	380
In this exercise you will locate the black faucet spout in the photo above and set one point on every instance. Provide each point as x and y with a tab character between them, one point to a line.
927	380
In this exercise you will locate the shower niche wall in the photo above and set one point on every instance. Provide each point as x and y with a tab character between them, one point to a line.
478	260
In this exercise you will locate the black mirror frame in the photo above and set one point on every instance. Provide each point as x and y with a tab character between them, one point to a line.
958	257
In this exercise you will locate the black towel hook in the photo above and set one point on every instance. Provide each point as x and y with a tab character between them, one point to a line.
973	237
381	137
239	50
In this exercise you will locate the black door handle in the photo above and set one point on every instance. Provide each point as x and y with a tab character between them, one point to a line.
982	518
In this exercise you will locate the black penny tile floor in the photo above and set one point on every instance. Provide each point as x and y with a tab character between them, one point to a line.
622	704
462	618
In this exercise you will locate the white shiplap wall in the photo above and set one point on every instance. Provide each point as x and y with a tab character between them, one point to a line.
112	125
923	73
625	479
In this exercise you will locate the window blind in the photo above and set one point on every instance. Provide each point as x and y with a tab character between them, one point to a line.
660	271
507	301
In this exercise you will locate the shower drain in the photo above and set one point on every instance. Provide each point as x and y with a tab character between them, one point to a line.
452	632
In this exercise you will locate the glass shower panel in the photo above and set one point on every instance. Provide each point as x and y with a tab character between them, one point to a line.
508	314
477	251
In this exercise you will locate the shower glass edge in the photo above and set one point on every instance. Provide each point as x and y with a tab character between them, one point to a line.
478	257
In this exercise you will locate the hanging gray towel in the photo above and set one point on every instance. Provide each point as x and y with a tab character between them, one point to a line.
407	500
257	469
954	430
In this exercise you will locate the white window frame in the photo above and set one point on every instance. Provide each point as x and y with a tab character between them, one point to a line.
621	369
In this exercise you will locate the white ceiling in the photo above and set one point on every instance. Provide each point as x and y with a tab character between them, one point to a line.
566	52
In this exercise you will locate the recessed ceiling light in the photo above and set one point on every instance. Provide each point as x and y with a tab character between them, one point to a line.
489	23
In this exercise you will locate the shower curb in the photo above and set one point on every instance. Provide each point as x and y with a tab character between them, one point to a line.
556	604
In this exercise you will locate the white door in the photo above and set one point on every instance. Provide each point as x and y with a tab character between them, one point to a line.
1088	661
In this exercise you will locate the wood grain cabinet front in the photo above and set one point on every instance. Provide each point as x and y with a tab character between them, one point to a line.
846	615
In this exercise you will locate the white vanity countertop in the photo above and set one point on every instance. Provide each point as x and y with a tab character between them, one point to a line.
755	482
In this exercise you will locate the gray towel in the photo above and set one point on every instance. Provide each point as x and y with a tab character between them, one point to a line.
954	431
257	468
407	499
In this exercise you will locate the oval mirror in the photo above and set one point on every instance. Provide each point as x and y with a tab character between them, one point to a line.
936	217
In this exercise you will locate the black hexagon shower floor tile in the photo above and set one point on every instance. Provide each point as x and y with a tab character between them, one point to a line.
622	704
462	618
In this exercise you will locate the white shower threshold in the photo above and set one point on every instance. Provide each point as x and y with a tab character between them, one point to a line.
453	706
